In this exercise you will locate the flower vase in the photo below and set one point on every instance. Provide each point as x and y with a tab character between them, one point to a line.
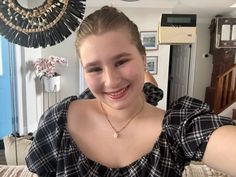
52	84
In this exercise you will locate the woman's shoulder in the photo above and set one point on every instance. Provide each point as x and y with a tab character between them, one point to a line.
187	107
187	102
155	111
61	105
57	111
188	124
79	109
82	105
191	113
60	111
43	154
188	114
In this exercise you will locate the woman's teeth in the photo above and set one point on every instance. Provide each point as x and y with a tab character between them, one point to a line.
117	94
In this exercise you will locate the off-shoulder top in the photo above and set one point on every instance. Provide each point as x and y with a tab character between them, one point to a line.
186	128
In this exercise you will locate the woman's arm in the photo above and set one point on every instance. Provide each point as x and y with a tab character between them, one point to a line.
149	78
220	152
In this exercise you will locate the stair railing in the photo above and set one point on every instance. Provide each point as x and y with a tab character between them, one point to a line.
225	93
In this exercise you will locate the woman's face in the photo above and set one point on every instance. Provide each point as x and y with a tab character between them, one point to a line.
114	68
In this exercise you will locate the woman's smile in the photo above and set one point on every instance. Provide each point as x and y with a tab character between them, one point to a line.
117	94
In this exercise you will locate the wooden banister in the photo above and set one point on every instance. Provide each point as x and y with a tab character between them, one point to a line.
225	93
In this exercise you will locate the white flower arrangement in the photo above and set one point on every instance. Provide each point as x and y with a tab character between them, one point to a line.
46	67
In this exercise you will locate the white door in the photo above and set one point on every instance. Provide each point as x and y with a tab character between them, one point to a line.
179	72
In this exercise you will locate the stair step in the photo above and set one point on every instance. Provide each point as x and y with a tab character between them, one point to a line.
234	114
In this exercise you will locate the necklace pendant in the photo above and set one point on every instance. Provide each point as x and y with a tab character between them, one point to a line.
116	135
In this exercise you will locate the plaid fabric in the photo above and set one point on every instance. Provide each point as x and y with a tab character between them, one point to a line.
152	93
187	126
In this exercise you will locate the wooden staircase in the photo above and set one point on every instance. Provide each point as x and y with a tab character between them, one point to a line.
234	114
225	90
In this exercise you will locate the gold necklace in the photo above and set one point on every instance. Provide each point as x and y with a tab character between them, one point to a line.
117	132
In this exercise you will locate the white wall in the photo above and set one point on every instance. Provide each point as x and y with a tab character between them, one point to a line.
232	13
229	111
203	66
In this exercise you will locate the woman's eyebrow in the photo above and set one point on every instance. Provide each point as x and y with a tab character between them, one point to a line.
91	64
120	55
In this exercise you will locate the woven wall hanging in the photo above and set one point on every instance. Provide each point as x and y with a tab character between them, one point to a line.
45	25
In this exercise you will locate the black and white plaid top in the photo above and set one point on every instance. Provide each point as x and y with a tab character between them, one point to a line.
187	126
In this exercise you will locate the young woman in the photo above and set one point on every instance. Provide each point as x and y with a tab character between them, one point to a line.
118	133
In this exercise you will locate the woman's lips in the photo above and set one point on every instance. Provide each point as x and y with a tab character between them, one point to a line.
118	94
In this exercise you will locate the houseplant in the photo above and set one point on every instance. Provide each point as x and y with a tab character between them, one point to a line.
46	70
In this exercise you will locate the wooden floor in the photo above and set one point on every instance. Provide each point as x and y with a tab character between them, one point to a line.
2	157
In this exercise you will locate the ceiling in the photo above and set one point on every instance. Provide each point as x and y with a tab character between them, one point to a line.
204	8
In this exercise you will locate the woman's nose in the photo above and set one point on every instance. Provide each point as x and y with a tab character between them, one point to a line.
112	78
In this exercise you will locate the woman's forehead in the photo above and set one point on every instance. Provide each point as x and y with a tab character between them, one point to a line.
106	42
123	31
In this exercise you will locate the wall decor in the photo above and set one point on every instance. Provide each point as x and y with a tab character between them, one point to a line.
52	84
47	24
225	32
152	64
149	39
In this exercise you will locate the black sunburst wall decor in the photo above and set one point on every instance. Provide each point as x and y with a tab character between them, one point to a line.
45	25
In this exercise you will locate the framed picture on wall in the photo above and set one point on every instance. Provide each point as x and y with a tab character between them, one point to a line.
152	64
149	39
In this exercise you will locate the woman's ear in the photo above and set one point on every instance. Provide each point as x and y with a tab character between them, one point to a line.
144	62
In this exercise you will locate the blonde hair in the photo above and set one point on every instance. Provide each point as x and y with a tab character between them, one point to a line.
106	19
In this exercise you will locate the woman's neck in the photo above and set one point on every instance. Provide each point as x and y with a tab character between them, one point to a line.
123	115
120	119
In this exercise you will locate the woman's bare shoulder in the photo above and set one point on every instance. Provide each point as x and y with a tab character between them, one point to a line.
155	110
79	108
155	113
80	104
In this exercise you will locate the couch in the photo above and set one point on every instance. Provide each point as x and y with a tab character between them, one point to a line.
201	170
193	170
15	171
22	144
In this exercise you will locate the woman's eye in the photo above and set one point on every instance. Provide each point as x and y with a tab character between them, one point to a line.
91	70
121	62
